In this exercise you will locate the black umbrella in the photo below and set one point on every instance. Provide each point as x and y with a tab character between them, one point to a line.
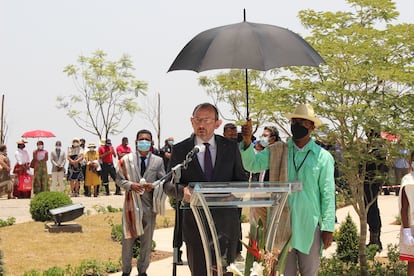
245	45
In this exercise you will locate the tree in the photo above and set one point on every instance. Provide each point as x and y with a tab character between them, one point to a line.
106	93
366	83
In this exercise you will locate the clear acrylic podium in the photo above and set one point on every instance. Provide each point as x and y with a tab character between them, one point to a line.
208	195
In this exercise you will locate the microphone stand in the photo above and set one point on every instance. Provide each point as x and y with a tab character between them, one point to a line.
176	175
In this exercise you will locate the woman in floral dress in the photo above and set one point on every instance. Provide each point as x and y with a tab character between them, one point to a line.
39	165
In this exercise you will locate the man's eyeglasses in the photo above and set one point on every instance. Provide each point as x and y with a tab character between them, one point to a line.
205	121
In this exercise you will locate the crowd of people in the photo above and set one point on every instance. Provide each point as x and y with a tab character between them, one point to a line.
233	156
80	164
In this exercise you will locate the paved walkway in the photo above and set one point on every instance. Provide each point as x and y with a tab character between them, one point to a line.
19	209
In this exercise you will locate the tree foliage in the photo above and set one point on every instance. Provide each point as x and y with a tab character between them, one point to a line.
106	94
365	84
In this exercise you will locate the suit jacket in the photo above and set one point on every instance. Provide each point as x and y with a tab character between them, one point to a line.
154	171
55	160
228	167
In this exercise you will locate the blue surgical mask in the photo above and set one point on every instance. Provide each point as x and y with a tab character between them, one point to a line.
143	145
264	141
412	165
170	143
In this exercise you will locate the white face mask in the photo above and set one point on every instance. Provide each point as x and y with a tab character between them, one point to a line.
58	147
264	141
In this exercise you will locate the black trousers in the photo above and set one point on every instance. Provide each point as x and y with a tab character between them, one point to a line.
227	223
373	216
108	169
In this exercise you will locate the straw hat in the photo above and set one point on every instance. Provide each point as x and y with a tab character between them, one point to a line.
305	111
91	145
75	140
21	141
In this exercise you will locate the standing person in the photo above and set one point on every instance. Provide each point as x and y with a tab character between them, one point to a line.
123	148
312	210
22	167
165	154
106	155
375	173
139	196
270	135
406	207
221	162
230	132
39	165
401	165
166	150
82	144
93	168
5	180
75	174
58	160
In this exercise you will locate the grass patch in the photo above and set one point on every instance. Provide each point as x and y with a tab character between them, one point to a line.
28	246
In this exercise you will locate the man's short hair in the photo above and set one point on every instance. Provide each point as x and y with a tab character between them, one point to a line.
206	106
273	132
229	126
144	131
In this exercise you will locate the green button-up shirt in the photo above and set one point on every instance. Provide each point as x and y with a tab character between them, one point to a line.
315	203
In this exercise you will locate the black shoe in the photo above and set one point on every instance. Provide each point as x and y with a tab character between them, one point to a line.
118	193
108	194
142	274
125	274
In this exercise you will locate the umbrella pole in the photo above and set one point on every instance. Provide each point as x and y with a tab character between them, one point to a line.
247	94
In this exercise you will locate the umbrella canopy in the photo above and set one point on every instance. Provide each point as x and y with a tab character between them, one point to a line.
245	45
390	137
38	133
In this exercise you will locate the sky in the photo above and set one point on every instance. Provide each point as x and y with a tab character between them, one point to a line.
39	38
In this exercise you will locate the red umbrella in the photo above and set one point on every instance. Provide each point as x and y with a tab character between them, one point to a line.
390	137
38	133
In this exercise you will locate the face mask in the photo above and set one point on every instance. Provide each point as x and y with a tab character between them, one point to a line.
143	145
58	147
75	144
40	147
264	141
170	143
412	165
298	131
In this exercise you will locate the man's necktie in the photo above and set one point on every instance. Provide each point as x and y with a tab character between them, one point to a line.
208	164
143	166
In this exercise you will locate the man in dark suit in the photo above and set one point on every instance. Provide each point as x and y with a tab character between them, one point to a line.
226	167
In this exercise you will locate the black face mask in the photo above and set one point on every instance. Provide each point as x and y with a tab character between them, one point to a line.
298	131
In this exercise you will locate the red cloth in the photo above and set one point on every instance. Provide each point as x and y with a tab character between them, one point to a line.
121	149
108	158
25	183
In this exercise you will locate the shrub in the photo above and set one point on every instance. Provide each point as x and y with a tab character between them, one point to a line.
347	241
9	221
2	269
32	272
44	201
54	271
89	268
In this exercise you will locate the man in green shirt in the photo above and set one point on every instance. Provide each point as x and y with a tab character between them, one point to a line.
312	210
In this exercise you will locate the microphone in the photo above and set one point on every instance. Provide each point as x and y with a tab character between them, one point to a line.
198	148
